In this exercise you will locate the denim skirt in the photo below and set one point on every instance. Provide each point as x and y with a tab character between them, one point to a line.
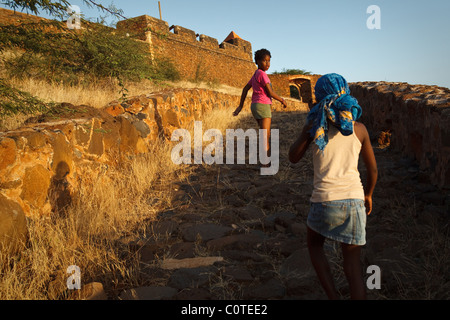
340	220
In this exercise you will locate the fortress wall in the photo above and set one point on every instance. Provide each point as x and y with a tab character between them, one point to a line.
204	59
280	83
196	57
417	118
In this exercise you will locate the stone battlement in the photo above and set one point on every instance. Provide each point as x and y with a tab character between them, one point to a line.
140	27
196	56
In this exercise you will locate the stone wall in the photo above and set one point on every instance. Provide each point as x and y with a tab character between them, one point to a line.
42	163
304	83
196	57
417	118
229	63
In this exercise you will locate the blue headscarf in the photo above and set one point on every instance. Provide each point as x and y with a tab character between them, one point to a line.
335	104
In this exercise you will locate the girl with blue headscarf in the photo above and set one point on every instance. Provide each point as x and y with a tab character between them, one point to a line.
339	201
335	105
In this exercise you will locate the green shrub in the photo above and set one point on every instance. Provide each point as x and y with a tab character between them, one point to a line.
13	101
50	51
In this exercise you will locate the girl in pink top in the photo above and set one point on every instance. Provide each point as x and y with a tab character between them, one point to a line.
262	94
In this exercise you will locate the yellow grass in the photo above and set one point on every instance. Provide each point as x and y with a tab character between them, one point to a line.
107	213
98	94
106	209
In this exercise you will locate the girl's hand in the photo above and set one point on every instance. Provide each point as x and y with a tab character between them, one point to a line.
237	111
368	203
284	103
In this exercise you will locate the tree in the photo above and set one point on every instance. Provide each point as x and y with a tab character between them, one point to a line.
56	8
48	50
293	72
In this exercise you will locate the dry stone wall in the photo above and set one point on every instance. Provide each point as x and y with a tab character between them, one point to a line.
417	119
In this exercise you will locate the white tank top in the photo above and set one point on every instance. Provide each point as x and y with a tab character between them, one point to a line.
336	175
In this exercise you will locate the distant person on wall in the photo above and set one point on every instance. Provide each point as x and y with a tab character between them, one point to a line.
339	202
262	94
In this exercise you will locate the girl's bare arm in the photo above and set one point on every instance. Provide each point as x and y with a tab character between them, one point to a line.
300	146
274	95
243	97
370	163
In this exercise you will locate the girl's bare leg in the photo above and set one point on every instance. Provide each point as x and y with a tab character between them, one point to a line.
265	124
319	261
353	271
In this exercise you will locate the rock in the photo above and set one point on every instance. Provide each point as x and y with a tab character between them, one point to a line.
13	226
7	152
35	185
284	218
242	255
272	289
149	252
90	291
284	245
299	229
170	264
234	200
62	154
190	278
250	212
193	294
298	265
142	128
148	293
238	274
115	110
301	286
182	250
204	231
238	241
163	229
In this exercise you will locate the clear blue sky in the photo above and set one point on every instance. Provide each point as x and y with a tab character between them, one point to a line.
323	36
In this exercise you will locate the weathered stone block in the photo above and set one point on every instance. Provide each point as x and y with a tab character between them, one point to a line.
7	152
13	226
35	185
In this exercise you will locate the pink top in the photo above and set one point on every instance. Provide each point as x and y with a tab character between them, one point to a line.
258	83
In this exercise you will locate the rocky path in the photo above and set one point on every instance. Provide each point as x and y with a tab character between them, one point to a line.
234	234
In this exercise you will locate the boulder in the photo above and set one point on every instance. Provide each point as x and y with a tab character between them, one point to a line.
13	226
90	291
148	293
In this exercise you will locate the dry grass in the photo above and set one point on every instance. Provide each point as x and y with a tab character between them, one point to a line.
108	211
98	94
107	208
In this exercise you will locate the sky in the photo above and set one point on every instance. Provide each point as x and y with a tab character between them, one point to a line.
412	43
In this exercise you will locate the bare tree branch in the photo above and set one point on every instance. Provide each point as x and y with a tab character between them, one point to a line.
57	8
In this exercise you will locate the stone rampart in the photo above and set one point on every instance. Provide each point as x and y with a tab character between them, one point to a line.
201	59
417	118
197	57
